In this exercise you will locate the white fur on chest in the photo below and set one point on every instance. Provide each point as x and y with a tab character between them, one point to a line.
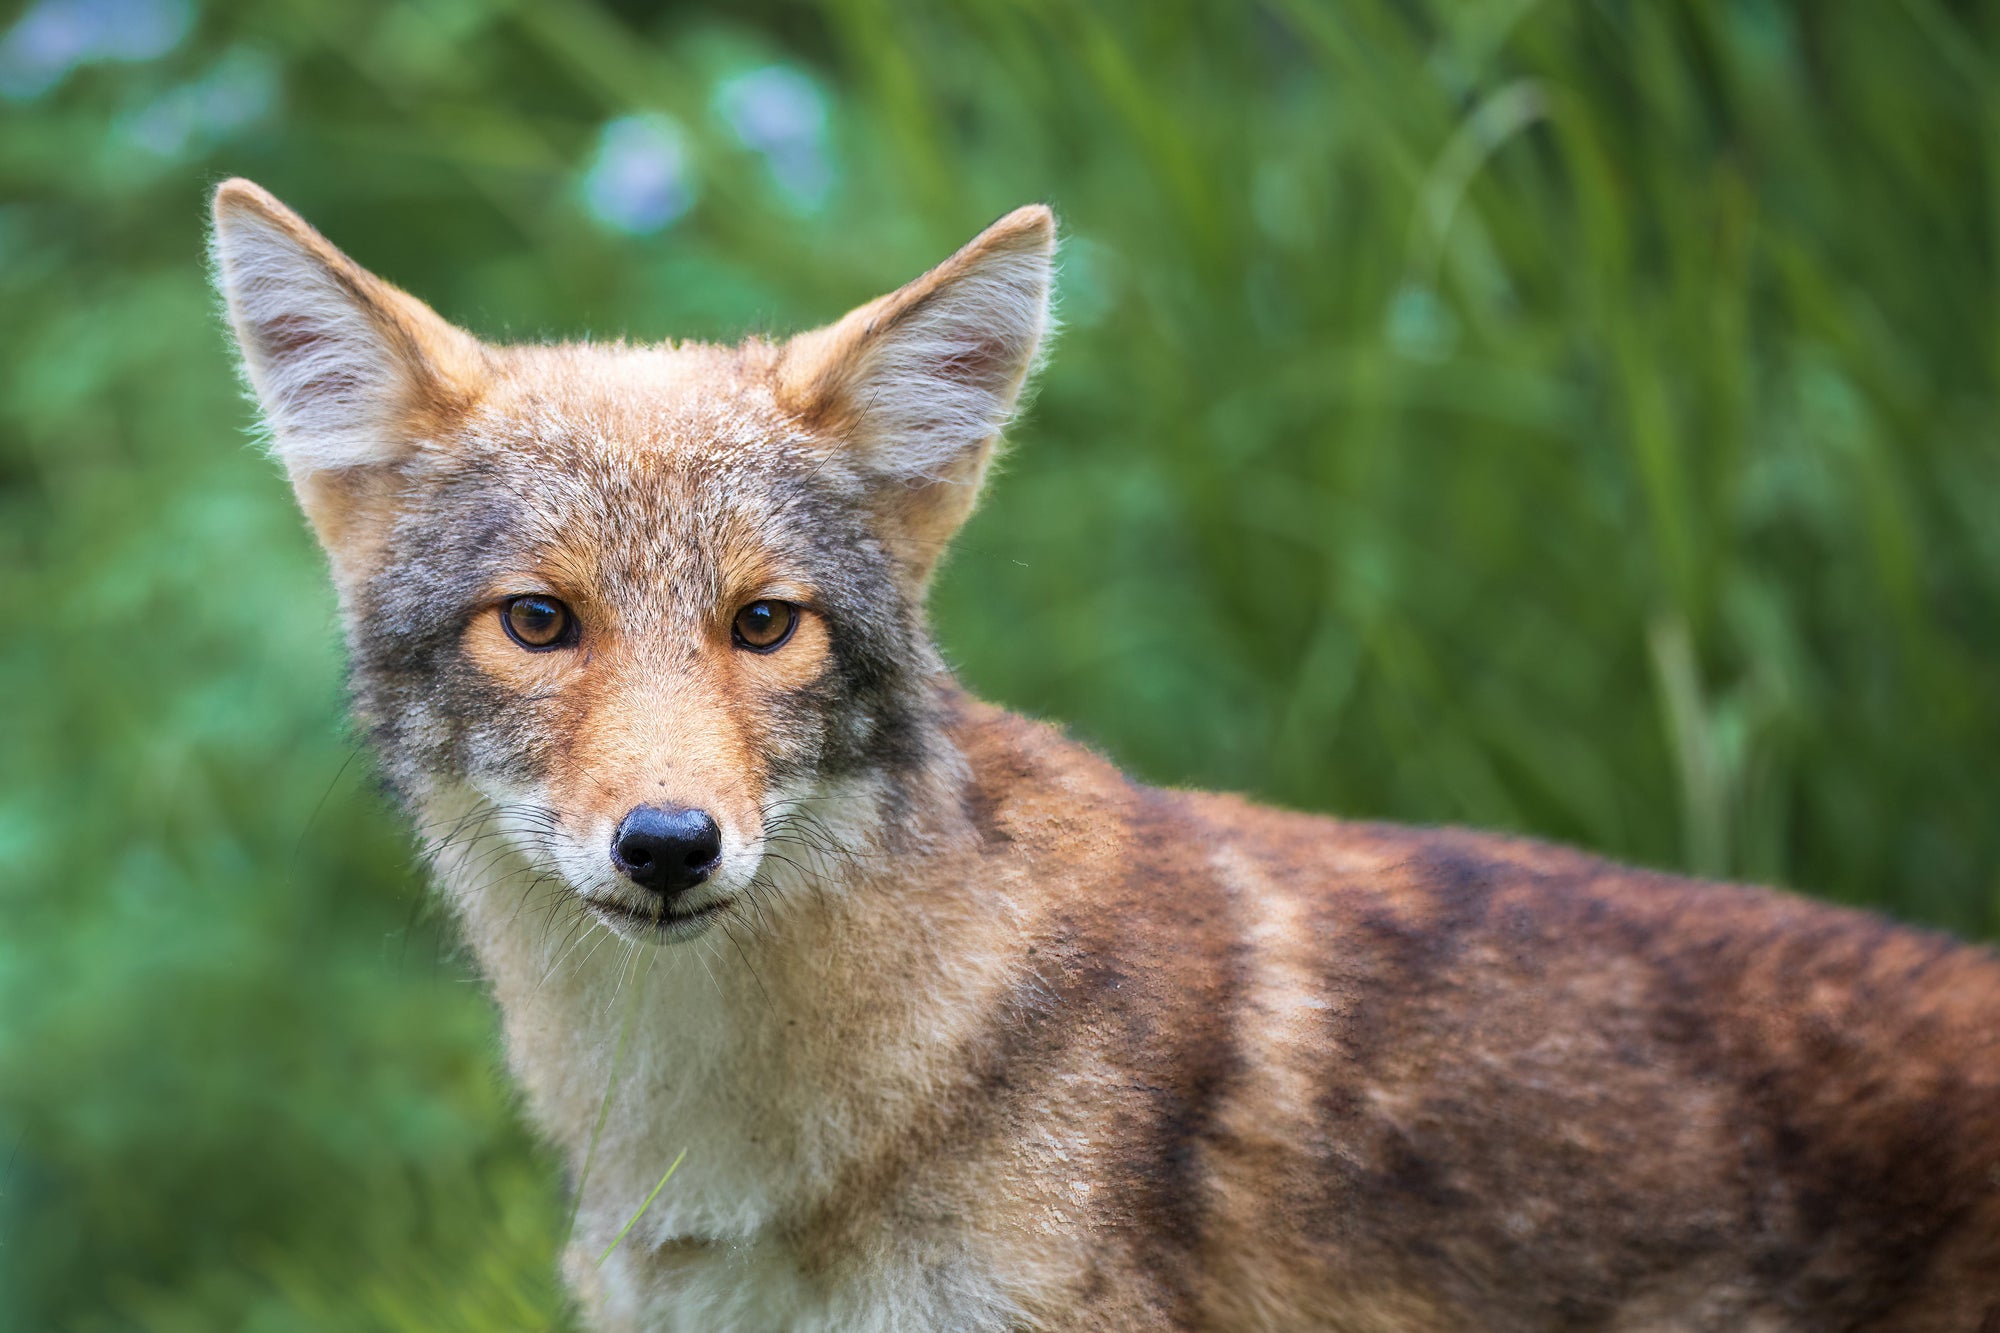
632	1056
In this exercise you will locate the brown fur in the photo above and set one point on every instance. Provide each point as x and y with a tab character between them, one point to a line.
997	1037
1358	1076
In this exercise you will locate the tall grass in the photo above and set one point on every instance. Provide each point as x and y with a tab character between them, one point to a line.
1577	418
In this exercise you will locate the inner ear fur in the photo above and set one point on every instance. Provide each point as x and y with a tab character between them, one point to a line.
916	386
350	372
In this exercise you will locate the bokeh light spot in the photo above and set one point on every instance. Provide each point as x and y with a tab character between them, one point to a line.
780	114
55	36
639	181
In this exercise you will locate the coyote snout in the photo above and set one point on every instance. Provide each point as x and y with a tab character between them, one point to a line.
651	745
679	755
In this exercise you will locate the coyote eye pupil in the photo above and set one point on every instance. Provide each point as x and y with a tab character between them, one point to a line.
763	626
535	622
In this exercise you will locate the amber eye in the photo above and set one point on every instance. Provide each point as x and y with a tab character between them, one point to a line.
764	626
538	623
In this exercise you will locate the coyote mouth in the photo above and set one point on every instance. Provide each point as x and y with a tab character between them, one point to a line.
664	925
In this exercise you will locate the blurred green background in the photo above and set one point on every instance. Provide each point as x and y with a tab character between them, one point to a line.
1579	418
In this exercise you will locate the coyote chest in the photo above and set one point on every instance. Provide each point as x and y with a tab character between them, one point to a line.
946	1023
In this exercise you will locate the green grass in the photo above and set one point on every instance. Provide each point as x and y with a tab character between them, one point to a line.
1579	418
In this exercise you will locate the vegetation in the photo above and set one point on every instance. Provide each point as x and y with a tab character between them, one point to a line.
1578	417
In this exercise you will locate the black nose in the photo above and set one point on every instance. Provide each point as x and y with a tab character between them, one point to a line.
667	851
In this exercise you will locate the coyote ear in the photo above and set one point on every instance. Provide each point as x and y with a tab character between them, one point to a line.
919	383
350	372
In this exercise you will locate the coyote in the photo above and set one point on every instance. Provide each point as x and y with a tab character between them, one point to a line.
947	1023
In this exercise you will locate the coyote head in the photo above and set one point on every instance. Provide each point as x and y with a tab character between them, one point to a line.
634	607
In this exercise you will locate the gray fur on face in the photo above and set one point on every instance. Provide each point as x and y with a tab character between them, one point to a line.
660	524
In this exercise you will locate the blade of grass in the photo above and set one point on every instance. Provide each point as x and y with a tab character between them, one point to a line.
633	1220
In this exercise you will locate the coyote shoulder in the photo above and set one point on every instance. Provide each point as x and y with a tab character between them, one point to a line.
948	1024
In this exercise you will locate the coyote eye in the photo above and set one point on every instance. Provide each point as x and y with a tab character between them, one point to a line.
538	623
763	627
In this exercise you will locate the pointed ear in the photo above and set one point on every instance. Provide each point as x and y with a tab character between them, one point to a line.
350	372
918	384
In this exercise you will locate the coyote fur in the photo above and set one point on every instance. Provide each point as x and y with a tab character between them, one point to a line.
948	1024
